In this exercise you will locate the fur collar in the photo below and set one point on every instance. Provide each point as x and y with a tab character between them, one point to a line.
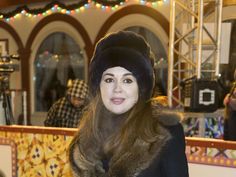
132	162
139	157
169	117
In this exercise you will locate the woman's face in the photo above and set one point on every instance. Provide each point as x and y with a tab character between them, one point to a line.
119	90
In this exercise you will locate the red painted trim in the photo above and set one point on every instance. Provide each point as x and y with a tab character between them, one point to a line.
210	143
190	141
39	130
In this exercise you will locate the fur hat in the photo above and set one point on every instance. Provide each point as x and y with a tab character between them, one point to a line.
128	50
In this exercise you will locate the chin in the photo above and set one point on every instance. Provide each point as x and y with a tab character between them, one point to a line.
119	111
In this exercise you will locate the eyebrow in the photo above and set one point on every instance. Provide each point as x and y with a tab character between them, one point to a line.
109	74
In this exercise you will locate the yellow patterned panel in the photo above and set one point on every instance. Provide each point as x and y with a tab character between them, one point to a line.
41	155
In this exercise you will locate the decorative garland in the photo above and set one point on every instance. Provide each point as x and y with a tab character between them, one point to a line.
52	5
57	6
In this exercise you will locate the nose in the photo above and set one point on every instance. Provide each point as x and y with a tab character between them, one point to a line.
117	87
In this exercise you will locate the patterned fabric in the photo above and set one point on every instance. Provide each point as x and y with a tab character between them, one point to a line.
78	89
63	113
213	127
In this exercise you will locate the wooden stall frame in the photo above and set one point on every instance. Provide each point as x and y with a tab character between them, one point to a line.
4	47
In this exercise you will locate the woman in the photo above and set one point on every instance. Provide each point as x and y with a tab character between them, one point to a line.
121	135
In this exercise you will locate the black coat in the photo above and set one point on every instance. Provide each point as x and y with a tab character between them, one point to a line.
172	162
164	157
230	126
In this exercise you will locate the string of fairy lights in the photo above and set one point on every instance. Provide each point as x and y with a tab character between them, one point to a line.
58	7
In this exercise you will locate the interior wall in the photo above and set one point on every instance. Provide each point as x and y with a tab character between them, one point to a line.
91	20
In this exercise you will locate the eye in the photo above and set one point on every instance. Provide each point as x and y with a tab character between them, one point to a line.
128	80
108	80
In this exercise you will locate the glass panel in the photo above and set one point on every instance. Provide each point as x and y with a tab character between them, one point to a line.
161	66
58	59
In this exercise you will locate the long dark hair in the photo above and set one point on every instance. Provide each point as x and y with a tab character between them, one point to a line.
138	123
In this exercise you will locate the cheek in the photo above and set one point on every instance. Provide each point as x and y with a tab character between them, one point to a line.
133	93
104	95
105	91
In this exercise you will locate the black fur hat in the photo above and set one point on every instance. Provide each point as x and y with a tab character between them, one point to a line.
128	50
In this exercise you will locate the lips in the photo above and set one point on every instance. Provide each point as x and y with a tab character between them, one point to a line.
117	101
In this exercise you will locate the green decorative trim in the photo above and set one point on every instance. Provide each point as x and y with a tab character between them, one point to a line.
56	6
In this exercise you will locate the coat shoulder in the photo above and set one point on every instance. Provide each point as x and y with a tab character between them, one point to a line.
169	117
165	115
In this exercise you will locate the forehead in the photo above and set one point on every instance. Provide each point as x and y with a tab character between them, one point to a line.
117	71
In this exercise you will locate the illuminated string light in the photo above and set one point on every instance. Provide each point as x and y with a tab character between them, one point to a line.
62	11
23	12
71	9
154	4
150	3
82	8
142	2
86	6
